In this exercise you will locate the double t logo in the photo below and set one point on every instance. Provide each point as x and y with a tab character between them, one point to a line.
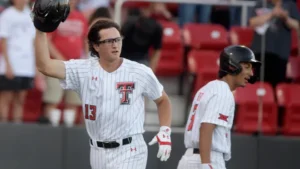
125	88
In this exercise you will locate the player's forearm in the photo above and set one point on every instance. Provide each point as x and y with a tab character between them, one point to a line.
41	51
164	111
205	141
49	67
4	51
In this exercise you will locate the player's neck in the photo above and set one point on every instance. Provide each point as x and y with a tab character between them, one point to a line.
19	7
230	82
110	66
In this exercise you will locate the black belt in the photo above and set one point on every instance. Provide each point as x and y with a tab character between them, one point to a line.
196	151
112	144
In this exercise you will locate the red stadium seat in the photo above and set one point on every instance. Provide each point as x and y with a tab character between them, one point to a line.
205	36
205	65
293	69
294	45
248	107
171	60
33	106
288	96
245	35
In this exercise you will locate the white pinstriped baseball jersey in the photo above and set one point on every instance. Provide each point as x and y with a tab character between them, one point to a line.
113	103
214	103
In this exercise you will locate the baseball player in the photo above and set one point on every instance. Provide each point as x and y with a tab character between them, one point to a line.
112	90
207	134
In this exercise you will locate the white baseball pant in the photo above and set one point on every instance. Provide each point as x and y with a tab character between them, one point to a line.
133	155
192	161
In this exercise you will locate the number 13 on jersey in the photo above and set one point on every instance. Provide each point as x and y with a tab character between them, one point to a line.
90	112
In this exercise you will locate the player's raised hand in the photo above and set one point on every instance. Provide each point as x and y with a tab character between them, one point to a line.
163	138
48	14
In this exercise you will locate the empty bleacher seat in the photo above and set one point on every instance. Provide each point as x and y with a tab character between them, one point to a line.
244	35
205	36
288	96
204	64
171	59
248	107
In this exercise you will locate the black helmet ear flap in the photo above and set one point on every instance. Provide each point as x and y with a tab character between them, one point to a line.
256	70
234	67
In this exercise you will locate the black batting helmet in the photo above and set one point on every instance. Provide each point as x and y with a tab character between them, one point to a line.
232	56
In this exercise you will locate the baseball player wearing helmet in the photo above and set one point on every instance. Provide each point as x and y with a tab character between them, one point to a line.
112	90
207	134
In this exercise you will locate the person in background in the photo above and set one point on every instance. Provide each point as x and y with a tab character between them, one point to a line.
65	43
100	13
140	34
88	7
160	12
279	18
187	12
17	63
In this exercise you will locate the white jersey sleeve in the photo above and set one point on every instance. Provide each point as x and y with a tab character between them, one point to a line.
5	24
218	111
74	68
153	88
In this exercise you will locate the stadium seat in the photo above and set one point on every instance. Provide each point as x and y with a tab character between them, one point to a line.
293	69
244	34
32	106
205	36
248	107
204	65
294	45
288	96
171	60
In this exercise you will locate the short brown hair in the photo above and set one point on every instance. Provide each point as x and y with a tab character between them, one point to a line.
93	35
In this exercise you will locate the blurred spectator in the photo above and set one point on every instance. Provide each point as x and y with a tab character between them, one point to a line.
187	13
89	6
2	5
160	11
100	13
276	22
235	15
140	34
65	43
17	64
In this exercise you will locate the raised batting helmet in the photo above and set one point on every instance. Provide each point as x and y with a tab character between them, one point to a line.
48	14
232	56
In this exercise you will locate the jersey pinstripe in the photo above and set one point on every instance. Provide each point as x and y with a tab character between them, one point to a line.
214	103
113	103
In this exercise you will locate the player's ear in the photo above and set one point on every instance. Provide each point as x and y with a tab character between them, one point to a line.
96	47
